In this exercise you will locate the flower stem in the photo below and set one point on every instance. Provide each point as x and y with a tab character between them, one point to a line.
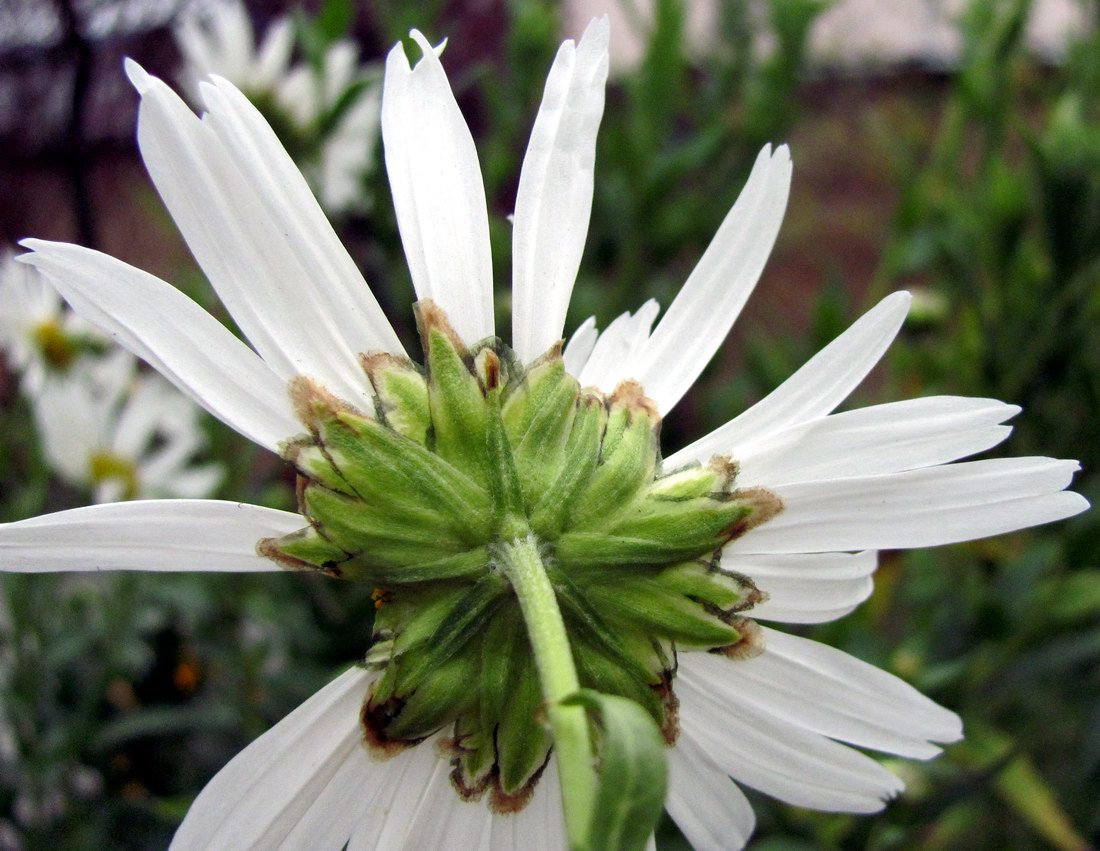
522	565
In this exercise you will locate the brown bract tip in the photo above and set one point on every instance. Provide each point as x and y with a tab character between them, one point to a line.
748	646
549	356
311	399
431	317
502	802
487	368
375	362
381	747
670	724
630	394
765	505
466	790
725	467
269	549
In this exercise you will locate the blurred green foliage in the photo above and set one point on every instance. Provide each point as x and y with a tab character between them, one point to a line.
122	695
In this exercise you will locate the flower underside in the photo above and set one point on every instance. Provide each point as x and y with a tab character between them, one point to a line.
467	455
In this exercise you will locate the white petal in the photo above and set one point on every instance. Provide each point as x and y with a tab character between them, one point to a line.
702	314
440	818
152	534
881	439
706	805
540	826
437	191
192	483
579	348
385	815
139	418
182	341
857	703
841	669
554	199
816	389
807	588
781	759
286	775
617	348
330	278
338	807
917	508
273	57
253	261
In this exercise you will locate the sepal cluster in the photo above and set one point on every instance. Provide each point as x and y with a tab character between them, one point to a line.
458	459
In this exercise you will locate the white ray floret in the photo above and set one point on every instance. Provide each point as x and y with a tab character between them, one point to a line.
277	298
182	341
617	347
781	759
288	201
806	587
888	438
146	534
815	390
704	310
277	781
825	691
554	199
917	508
437	191
706	805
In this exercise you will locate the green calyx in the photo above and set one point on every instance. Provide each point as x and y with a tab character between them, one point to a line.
424	495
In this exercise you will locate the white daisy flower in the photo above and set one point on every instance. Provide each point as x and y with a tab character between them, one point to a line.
122	435
217	38
327	117
38	336
509	498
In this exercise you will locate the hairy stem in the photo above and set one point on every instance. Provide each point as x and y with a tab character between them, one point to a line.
522	565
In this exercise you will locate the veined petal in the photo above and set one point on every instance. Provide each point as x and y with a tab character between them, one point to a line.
178	338
807	588
428	813
332	282
844	699
248	255
917	508
872	441
148	534
815	390
282	778
437	191
706	805
781	759
617	348
385	813
701	316
554	200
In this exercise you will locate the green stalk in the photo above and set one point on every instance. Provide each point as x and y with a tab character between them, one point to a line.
522	565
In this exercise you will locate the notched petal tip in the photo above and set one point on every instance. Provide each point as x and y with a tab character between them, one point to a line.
431	52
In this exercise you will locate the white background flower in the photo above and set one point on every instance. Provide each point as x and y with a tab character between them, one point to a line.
217	38
851	483
119	434
33	319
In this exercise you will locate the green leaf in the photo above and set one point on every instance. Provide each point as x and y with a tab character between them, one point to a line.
633	776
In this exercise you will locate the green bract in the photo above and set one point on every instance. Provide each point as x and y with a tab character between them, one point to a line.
419	495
